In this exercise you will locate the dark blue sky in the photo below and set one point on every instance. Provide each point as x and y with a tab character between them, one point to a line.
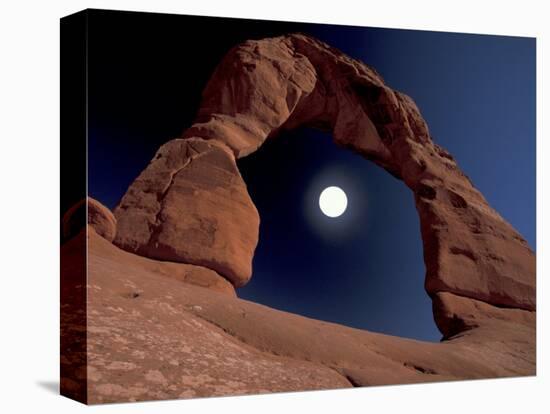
364	269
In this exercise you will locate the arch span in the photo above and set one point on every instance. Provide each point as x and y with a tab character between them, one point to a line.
190	203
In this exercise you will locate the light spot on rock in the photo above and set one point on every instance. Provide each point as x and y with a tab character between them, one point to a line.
187	394
154	375
98	330
109	389
139	354
121	365
94	374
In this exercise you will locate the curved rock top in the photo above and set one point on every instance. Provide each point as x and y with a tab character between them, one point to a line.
99	218
475	260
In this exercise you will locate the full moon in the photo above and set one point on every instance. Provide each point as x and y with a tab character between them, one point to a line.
333	201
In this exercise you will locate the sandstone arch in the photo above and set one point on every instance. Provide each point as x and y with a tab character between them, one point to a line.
190	204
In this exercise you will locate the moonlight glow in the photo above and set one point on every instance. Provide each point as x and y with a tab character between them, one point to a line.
333	201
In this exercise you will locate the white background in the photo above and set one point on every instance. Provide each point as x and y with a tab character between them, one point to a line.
29	191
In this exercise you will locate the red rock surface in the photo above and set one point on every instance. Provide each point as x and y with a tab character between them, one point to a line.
190	205
183	272
154	337
99	217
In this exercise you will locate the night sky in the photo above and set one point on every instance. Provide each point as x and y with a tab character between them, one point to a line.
365	268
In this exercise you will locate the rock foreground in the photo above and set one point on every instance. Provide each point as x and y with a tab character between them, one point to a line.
158	316
152	336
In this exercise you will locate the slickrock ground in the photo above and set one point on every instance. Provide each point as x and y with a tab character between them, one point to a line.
162	317
153	336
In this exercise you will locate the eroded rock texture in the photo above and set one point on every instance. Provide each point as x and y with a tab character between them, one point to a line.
190	205
144	341
150	336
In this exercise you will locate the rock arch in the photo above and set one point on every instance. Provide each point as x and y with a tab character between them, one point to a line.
191	205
